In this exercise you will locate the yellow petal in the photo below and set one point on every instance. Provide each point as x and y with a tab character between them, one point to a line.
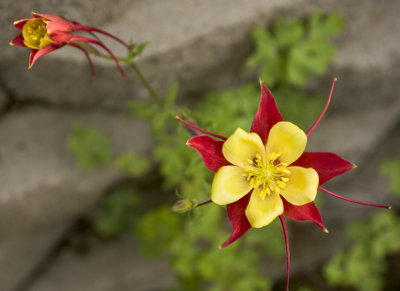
302	185
288	139
229	185
242	146
261	212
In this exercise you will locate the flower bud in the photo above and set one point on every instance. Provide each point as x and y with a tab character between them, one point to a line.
184	205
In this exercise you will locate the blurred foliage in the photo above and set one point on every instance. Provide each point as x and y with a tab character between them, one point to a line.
371	241
295	50
287	55
391	169
90	147
363	263
117	212
132	164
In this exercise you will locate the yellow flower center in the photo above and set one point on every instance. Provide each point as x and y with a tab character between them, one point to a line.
35	33
267	176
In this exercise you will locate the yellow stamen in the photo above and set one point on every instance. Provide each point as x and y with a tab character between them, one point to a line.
35	33
268	176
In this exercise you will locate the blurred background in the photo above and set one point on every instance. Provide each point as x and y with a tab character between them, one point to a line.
89	168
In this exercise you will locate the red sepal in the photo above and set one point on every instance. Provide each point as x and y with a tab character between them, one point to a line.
18	40
53	17
19	24
80	38
237	216
36	54
210	151
327	165
307	212
267	115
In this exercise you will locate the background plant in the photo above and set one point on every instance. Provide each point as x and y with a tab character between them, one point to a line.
371	241
287	55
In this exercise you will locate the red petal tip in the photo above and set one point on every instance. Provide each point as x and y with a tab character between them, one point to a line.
354	166
326	230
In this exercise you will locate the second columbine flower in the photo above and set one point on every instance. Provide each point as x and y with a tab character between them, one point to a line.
44	33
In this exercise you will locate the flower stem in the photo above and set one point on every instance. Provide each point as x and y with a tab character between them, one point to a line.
203	202
285	233
146	83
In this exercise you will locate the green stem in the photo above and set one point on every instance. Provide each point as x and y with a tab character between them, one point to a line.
146	83
133	65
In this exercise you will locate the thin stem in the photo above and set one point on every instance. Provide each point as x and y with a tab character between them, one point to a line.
199	129
133	65
324	110
204	202
146	83
285	234
351	200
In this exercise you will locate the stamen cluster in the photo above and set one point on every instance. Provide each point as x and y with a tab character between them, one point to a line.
35	33
268	176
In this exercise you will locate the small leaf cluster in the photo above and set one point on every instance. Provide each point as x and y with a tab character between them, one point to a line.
362	265
294	50
91	148
117	211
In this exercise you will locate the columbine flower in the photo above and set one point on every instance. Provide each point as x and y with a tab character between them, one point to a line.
44	33
266	174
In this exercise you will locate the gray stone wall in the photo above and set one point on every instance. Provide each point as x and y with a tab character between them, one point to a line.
202	45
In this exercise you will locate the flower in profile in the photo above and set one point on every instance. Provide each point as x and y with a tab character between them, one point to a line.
265	173
44	33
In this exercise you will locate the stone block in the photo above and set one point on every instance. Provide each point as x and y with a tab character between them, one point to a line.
3	100
42	191
112	266
39	180
21	252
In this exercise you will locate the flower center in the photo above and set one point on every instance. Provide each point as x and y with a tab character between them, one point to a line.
267	176
35	33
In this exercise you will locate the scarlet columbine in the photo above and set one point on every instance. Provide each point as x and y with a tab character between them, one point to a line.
265	174
44	33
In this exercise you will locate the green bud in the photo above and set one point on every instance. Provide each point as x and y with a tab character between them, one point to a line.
184	205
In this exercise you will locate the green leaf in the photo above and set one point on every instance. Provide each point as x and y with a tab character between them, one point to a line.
157	229
171	96
142	109
116	214
159	121
391	169
138	49
91	148
309	58
324	26
132	164
266	57
287	31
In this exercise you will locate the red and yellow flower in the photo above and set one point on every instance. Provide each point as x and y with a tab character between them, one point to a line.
44	33
265	173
